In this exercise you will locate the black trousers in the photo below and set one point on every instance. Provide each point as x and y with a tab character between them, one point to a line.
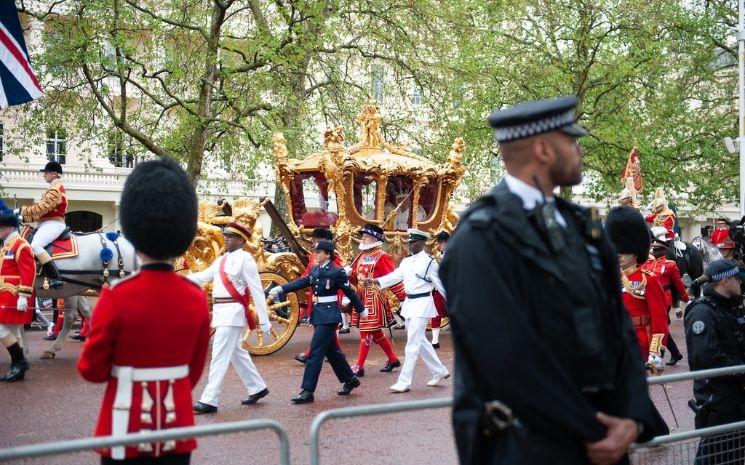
323	345
169	459
674	351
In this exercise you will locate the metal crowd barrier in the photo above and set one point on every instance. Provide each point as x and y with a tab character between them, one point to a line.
79	445
365	410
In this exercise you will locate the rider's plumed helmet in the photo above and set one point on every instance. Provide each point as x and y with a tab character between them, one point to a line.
628	232
159	209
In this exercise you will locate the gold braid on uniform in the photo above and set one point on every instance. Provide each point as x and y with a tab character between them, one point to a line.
655	345
634	290
51	198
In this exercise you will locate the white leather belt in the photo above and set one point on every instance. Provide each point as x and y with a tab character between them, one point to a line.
123	400
325	299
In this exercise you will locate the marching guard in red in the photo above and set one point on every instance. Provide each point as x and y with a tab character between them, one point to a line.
668	274
17	273
642	292
150	369
372	263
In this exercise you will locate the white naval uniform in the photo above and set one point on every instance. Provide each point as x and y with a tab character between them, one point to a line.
418	312
229	321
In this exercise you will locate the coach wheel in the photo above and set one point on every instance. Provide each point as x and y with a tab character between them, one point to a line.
283	315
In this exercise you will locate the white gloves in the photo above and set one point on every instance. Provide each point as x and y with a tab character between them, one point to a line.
22	304
266	327
275	291
348	270
17	212
655	361
345	301
363	314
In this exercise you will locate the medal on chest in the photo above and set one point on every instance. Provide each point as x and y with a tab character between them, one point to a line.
328	284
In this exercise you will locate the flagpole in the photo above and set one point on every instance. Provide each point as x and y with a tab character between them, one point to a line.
741	79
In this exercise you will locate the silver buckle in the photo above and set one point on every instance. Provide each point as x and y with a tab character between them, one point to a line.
499	414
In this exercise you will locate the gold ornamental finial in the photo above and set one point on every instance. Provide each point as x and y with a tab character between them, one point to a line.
333	138
369	121
280	147
456	152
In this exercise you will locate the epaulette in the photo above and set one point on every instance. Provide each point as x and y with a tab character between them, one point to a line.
123	280
647	272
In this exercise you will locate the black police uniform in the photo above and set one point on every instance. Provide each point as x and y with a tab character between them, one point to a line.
326	281
715	333
538	325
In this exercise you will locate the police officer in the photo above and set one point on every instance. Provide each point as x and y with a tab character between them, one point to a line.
326	279
715	339
547	368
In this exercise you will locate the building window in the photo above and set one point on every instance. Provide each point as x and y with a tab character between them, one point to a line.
56	145
2	141
377	83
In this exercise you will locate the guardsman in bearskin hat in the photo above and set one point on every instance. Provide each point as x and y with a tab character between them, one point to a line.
326	280
49	212
642	292
372	262
236	282
150	368
17	273
662	215
668	274
326	235
419	274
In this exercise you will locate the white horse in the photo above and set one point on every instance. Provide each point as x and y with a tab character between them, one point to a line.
102	258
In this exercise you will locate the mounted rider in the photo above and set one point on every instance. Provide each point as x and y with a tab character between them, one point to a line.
49	212
662	215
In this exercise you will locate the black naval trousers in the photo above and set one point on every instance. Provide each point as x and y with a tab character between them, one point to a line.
168	459
323	345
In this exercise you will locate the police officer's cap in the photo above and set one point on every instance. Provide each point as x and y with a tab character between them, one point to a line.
536	117
326	246
158	210
52	167
7	217
723	269
628	231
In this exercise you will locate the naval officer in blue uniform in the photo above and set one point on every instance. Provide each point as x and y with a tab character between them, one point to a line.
326	280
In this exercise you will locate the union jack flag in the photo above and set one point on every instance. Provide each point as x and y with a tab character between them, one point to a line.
18	83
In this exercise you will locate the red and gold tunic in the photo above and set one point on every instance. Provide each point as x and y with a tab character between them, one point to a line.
669	276
372	264
125	333
51	206
664	219
719	235
644	299
17	273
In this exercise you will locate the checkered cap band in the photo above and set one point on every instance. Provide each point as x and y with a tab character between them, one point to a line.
725	274
532	128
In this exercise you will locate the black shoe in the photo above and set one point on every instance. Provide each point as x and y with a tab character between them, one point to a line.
50	338
436	345
344	331
301	358
202	408
358	372
305	397
49	269
253	398
674	360
17	372
389	366
354	382
304	320
398	326
78	337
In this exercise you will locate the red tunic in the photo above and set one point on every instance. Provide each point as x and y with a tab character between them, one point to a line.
646	308
129	328
17	273
719	235
669	276
665	219
371	264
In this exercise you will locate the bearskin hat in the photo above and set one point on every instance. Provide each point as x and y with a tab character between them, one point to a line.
159	209
628	231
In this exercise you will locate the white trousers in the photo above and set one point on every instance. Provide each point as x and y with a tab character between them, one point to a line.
7	330
47	232
417	344
227	350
